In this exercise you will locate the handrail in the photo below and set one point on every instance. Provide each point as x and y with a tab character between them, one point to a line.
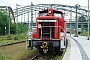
50	30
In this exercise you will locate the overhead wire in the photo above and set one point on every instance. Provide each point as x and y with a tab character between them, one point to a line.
24	2
11	4
7	3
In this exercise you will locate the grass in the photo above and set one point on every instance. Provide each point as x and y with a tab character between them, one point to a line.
15	52
7	41
1	56
60	57
84	33
12	38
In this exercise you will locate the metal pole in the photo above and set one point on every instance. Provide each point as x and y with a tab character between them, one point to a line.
81	25
8	21
28	20
17	18
30	25
35	12
24	15
70	20
7	12
31	15
76	27
88	19
21	18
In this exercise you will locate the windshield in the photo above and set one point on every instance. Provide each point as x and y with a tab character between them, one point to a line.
58	15
43	14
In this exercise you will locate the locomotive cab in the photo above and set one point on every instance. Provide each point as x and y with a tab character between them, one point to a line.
50	34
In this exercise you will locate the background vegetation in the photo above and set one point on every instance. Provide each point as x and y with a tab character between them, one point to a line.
5	37
17	51
84	28
4	23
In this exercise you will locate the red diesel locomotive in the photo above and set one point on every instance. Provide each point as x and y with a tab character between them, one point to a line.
49	35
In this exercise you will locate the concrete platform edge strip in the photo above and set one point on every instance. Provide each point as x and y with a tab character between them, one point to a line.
83	53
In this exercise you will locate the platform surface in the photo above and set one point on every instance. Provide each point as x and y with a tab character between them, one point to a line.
78	48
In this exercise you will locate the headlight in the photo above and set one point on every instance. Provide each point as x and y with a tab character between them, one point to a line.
29	33
62	34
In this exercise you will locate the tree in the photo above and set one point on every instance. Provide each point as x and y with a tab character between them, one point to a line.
3	22
13	28
22	28
82	19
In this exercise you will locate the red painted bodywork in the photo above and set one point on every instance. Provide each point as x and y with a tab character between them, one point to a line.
50	16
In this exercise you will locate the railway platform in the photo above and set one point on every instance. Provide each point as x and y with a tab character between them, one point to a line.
78	48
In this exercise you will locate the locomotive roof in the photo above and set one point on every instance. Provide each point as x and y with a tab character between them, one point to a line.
56	11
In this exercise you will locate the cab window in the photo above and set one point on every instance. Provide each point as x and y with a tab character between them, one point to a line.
43	14
58	15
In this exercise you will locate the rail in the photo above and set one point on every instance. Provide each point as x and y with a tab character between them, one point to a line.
12	43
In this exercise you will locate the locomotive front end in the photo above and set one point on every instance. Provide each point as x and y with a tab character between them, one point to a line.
49	35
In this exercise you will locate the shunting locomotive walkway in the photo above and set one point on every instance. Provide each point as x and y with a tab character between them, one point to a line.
78	48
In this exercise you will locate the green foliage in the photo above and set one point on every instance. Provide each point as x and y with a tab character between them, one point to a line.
84	27
3	22
13	28
8	36
82	19
22	28
1	56
72	31
0	39
40	58
22	36
15	37
84	33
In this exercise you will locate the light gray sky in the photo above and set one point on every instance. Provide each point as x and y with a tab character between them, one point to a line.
13	3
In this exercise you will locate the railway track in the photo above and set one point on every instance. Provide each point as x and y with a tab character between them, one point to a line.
34	57
42	57
12	43
31	56
46	57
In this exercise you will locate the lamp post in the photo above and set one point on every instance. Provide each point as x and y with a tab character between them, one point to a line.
88	20
8	18
81	25
17	18
76	27
70	20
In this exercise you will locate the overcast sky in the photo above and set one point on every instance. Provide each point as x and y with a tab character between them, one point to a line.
13	3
